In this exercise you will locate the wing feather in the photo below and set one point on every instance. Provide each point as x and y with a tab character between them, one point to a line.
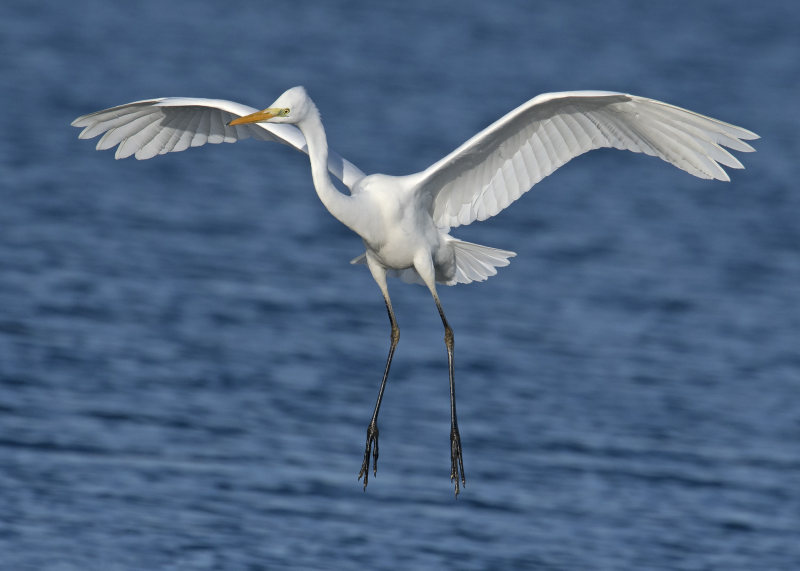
216	128
116	134
153	127
185	140
502	162
132	143
203	129
169	139
713	145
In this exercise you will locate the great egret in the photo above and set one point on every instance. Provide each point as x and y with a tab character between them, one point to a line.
404	221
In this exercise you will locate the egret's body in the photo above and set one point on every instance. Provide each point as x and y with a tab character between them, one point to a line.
394	231
405	221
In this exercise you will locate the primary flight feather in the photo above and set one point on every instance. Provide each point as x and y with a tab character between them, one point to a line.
404	221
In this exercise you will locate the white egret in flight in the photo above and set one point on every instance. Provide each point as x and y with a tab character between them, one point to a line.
405	221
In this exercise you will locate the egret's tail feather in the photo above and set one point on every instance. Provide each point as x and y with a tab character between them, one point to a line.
476	263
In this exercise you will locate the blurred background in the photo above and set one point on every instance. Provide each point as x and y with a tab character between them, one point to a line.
188	363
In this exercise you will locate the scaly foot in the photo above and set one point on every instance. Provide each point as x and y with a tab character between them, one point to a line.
372	438
456	460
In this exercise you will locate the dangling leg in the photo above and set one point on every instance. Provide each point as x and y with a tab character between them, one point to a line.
456	459
371	448
424	267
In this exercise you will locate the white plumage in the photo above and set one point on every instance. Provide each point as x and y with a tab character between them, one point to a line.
405	221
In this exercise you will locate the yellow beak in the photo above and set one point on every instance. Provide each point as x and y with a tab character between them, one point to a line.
257	117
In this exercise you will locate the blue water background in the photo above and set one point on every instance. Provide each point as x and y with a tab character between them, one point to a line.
188	363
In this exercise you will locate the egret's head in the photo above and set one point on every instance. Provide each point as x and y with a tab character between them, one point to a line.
290	107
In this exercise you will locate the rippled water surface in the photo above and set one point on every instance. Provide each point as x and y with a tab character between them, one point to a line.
188	363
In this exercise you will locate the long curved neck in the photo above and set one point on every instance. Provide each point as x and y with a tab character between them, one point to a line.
337	203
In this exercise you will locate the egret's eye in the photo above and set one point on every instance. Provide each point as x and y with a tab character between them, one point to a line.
284	112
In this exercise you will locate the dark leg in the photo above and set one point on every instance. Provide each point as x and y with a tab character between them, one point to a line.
456	459
372	429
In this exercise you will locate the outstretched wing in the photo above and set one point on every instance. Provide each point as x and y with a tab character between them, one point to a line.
153	127
496	166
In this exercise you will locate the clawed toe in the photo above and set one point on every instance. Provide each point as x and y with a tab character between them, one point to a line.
370	450
456	460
